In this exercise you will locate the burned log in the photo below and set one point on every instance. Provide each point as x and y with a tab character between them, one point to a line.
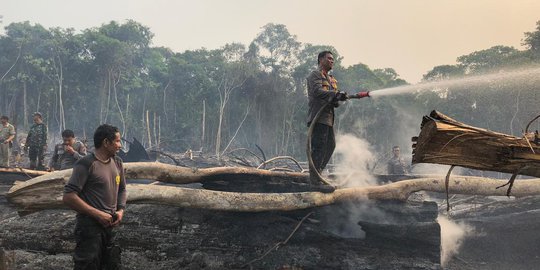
15	174
443	140
45	192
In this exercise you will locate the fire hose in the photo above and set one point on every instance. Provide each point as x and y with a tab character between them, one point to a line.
310	133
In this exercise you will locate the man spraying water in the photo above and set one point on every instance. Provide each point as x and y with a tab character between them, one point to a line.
324	96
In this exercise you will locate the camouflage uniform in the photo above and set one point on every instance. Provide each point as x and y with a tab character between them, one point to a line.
5	148
36	141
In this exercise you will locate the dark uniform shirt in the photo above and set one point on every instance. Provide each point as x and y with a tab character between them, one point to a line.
321	90
63	160
102	186
397	166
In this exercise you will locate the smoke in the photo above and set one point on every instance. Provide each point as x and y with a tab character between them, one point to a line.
452	236
354	161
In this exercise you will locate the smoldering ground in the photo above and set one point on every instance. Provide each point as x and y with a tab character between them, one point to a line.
354	160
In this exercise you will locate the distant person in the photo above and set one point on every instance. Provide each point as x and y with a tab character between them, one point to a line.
67	153
396	165
7	134
36	143
97	191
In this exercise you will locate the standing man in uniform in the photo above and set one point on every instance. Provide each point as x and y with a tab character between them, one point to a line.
396	165
36	143
322	89
67	153
7	134
97	191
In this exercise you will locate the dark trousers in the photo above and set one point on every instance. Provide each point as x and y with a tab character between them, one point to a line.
95	247
323	144
36	154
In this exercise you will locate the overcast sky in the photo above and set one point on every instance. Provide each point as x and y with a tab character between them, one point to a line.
411	36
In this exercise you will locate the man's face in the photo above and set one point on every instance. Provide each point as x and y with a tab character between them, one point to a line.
114	146
327	62
68	140
4	121
37	119
396	151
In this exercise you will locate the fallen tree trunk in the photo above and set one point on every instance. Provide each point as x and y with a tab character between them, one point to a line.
7	174
48	194
443	140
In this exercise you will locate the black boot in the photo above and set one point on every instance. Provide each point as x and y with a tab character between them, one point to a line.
319	186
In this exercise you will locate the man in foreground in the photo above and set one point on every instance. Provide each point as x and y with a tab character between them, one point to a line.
97	191
322	89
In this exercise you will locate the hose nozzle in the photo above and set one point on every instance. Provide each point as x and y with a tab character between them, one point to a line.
360	95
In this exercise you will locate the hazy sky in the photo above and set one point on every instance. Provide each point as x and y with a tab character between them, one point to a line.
411	36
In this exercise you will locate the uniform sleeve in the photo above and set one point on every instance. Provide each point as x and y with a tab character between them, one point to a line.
315	87
11	130
28	137
81	152
44	135
78	179
122	192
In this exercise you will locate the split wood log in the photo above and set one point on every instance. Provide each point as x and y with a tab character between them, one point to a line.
41	195
443	140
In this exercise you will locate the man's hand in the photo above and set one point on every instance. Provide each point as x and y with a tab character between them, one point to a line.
103	218
69	149
119	216
342	96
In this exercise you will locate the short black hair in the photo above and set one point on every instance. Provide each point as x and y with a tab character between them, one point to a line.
103	132
395	146
38	114
68	133
4	117
323	55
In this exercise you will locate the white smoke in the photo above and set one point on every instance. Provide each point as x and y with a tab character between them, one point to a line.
354	161
452	236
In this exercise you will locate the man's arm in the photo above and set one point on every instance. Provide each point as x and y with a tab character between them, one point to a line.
44	137
72	200
54	159
315	86
11	134
122	196
81	152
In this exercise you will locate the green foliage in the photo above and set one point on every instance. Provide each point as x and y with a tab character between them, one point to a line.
112	74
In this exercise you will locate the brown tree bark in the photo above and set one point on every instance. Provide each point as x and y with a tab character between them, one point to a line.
45	192
443	140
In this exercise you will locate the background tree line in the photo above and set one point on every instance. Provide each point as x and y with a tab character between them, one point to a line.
237	95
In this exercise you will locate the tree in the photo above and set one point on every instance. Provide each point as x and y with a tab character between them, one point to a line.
532	42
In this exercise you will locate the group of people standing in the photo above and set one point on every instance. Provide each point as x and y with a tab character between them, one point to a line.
64	155
96	189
